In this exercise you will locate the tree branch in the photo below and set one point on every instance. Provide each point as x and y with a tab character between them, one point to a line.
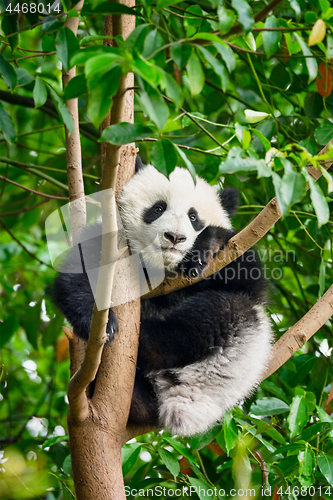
49	196
301	332
240	243
73	148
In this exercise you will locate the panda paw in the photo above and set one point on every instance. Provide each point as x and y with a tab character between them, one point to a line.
207	245
111	327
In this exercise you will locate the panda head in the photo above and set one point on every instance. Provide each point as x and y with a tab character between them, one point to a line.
166	215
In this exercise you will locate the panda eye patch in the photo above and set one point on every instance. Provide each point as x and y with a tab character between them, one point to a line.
197	224
153	213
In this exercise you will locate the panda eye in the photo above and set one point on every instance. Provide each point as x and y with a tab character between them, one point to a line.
192	217
159	209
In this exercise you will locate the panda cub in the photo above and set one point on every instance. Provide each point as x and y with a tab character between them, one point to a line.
204	348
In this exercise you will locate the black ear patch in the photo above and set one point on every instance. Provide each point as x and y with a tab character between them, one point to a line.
138	164
229	199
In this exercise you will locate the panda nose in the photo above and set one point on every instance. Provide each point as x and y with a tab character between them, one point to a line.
175	238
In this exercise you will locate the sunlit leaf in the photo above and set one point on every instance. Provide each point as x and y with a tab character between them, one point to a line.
318	33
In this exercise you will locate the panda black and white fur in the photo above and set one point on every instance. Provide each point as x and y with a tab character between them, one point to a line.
204	348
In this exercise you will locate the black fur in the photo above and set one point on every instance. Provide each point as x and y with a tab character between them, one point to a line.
179	328
230	200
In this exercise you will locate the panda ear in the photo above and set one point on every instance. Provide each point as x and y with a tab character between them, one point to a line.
229	199
138	164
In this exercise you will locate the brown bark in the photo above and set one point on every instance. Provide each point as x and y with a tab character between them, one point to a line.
97	425
73	148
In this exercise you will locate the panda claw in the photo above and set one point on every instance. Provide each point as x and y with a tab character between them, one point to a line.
194	273
112	327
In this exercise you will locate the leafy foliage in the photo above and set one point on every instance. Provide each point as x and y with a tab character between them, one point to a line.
251	108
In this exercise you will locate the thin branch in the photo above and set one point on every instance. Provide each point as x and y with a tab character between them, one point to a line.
73	148
23	210
34	171
22	246
262	14
301	332
49	108
50	196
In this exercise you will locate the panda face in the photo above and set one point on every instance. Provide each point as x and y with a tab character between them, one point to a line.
165	216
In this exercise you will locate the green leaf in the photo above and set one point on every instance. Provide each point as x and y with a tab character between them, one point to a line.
252	116
322	275
227	19
310	60
124	133
174	91
306	466
182	449
114	8
230	431
154	106
100	102
169	461
262	138
23	77
161	4
9	26
100	64
8	73
315	430
324	417
243	135
88	53
293	187
164	156
195	74
8	328
203	490
244	12
63	111
217	67
51	23
180	53
298	416
325	464
67	45
269	406
48	42
236	163
271	39
39	92
227	55
31	321
76	87
7	126
188	164
324	133
129	455
153	42
202	439
319	201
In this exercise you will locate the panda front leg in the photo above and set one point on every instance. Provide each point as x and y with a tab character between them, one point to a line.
73	296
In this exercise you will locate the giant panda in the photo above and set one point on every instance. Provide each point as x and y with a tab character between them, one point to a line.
204	348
